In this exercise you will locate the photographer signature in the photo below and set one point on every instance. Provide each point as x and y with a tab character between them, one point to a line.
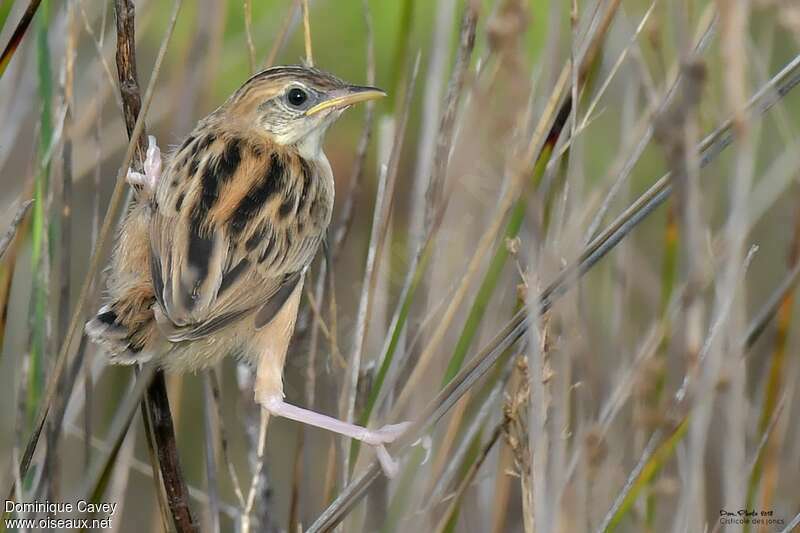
744	513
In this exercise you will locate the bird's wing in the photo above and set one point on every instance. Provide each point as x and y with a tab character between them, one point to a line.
230	235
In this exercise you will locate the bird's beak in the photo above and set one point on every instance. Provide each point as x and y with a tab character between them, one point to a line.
347	96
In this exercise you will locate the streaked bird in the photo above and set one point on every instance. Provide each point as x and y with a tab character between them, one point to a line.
211	258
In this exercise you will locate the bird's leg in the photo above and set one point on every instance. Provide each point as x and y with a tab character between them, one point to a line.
377	438
152	169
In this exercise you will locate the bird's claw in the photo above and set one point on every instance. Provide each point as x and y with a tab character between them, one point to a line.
152	169
378	438
389	466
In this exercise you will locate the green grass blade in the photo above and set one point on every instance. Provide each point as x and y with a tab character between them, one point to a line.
38	265
659	458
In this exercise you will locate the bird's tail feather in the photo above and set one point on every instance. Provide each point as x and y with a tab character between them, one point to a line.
106	330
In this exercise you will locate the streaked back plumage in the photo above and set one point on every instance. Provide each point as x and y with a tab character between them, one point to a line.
226	237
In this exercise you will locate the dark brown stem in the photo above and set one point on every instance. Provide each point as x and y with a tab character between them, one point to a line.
167	453
126	70
158	411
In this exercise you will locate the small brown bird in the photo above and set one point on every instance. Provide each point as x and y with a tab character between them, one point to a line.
211	258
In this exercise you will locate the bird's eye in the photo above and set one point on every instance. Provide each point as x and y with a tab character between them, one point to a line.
297	97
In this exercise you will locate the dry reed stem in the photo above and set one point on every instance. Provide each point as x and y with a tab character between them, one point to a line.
256	479
793	524
248	31
167	453
211	521
307	34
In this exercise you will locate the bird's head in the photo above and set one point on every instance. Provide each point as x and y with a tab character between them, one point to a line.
294	105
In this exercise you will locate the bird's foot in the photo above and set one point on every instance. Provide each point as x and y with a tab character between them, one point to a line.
148	180
377	438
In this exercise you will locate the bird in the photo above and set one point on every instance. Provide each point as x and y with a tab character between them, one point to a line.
211	258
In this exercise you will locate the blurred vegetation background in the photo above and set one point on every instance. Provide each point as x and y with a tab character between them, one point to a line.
658	391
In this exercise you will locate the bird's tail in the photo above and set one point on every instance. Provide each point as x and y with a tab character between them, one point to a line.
125	344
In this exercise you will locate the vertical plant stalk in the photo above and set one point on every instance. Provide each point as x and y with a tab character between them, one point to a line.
651	405
167	452
40	241
727	351
157	402
128	77
307	34
212	379
65	236
256	499
210	432
248	31
402	52
678	131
